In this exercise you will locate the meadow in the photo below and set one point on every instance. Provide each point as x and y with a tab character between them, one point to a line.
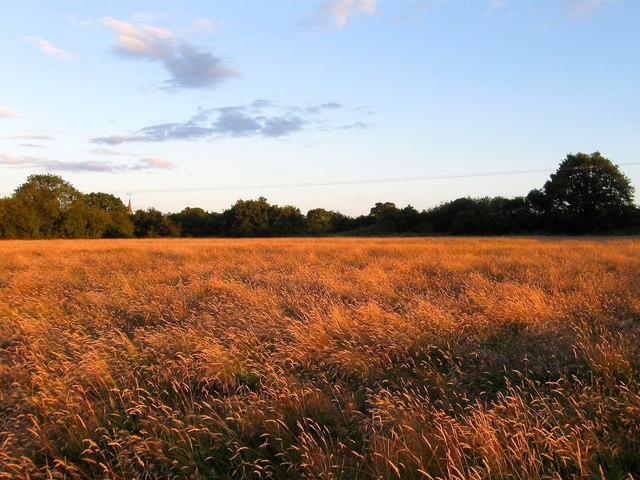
320	358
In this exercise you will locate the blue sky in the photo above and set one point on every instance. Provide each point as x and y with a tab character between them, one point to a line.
164	101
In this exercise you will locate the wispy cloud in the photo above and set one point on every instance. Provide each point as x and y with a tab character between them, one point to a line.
581	8
31	145
143	164
6	113
6	159
149	16
154	163
76	22
260	118
355	126
201	25
54	165
339	12
494	6
51	51
105	151
29	136
189	66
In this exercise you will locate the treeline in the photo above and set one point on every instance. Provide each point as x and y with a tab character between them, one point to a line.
587	195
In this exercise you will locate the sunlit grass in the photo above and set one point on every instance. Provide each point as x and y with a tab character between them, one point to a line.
334	358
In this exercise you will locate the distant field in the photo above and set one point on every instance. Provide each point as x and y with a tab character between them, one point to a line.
332	358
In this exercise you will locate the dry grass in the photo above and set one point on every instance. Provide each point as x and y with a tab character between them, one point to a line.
336	358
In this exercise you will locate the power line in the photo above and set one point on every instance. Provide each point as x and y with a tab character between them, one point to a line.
218	188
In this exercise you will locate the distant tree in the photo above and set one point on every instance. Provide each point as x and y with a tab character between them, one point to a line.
341	223
107	216
481	216
47	206
193	222
320	220
587	193
152	223
381	210
387	218
248	218
286	221
104	201
7	216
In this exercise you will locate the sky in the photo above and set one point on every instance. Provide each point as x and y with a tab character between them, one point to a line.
336	104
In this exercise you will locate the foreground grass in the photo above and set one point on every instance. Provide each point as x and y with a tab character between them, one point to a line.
336	358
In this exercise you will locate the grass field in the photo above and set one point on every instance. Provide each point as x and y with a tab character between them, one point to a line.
332	358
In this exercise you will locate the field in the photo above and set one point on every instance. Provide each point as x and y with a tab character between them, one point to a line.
332	358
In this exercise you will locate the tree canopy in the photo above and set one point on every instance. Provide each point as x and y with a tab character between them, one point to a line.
587	194
46	206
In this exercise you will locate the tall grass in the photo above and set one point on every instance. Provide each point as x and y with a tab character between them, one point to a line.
335	358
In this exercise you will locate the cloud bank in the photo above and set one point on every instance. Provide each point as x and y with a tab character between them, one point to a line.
188	66
260	118
339	12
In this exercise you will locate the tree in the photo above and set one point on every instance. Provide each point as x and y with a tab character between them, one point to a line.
47	204
286	221
104	201
320	220
107	216
387	218
193	222
587	193
152	223
248	218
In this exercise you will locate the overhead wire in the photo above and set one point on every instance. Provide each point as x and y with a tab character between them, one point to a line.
326	183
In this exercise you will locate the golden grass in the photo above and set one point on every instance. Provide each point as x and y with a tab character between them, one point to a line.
333	358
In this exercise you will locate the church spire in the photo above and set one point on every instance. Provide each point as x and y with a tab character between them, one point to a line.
129	209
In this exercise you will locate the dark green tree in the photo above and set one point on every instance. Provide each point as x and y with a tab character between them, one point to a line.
286	221
320	221
588	193
193	222
107	216
153	223
47	205
248	218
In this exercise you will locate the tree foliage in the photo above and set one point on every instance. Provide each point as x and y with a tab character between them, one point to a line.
46	206
588	193
152	223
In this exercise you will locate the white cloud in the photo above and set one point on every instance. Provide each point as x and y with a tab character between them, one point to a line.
189	66
494	6
201	25
580	8
30	136
6	159
99	166
76	22
149	16
339	12
6	113
55	165
105	151
51	51
157	162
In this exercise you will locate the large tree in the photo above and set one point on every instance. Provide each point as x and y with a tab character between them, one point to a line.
45	205
587	193
107	216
